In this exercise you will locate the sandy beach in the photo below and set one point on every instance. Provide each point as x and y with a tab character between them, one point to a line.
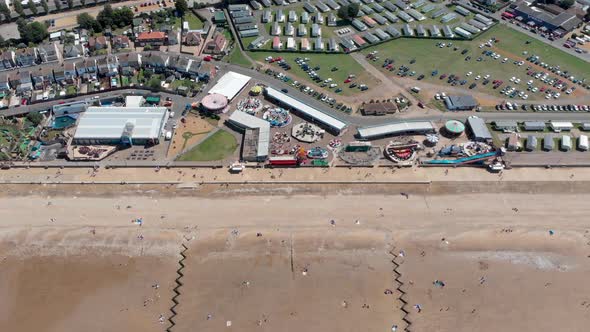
276	262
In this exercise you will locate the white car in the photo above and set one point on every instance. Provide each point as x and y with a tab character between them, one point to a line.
469	73
477	77
517	81
530	82
333	85
504	60
486	77
512	79
569	91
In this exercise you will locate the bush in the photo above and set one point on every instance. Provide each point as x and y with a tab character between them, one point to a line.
35	118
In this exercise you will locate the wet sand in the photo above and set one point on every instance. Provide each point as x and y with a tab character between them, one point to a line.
92	268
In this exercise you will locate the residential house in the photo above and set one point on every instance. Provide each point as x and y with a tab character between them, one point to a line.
87	70
70	73
194	71
4	82
48	53
14	79
26	84
112	66
173	38
154	38
7	60
103	66
120	42
26	57
192	38
97	43
129	63
156	62
180	65
59	75
216	45
74	51
42	78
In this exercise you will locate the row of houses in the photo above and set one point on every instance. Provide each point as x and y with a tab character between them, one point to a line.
305	18
92	69
290	30
319	44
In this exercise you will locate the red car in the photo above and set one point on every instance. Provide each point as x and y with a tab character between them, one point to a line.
348	80
207	58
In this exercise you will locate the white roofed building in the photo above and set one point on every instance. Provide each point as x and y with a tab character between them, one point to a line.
121	126
230	84
396	128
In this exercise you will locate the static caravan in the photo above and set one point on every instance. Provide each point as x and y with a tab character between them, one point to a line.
566	143
469	28
531	143
391	17
462	11
548	143
583	143
558	126
534	125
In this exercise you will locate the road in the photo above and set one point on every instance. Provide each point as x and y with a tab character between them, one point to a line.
354	120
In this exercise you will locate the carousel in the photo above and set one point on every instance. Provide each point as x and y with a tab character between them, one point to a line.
317	153
278	117
402	151
307	132
250	105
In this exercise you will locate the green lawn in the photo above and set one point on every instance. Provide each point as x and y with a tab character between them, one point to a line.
194	23
237	57
447	61
345	63
217	147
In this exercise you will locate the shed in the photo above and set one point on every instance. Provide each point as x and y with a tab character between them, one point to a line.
548	143
513	142
531	143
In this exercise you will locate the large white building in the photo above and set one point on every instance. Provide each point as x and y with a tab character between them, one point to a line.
121	126
230	84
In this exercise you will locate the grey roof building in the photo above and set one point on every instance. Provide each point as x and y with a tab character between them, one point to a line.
460	103
479	129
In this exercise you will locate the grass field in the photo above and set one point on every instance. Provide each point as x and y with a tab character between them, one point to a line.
237	57
194	22
345	63
217	147
447	61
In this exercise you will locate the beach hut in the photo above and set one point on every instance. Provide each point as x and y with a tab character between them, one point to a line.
548	143
583	143
566	142
531	143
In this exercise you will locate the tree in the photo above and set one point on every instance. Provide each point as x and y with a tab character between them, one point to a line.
34	32
154	83
106	17
587	16
33	7
45	6
57	4
70	4
35	118
18	8
349	11
5	11
85	21
565	4
123	17
181	7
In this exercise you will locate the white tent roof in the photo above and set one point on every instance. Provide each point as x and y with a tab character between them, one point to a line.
230	84
109	122
318	115
395	128
134	101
